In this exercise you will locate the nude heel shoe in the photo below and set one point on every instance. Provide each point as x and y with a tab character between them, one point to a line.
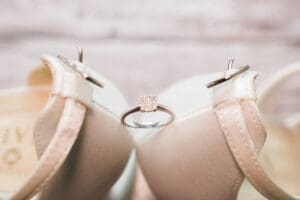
213	144
74	127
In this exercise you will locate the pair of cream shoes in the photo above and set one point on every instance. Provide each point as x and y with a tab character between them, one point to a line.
61	138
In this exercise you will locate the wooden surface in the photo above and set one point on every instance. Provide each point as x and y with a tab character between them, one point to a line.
144	46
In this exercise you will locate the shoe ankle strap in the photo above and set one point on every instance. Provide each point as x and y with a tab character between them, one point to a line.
75	96
233	125
57	151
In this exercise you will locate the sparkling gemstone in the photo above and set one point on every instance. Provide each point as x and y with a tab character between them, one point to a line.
148	103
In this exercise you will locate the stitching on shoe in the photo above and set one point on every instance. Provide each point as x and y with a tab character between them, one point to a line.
223	123
50	162
237	184
258	167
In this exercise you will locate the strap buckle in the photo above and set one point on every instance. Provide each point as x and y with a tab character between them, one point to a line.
229	74
82	73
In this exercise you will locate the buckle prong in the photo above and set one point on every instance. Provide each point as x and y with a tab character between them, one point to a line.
229	74
80	54
74	68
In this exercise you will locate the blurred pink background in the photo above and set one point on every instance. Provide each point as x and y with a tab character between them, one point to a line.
144	46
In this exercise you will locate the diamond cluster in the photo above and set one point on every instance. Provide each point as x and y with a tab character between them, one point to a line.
148	103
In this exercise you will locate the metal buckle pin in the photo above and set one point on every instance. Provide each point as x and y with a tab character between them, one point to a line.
229	74
74	67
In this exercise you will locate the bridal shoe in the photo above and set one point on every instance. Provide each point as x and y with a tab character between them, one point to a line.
214	143
61	136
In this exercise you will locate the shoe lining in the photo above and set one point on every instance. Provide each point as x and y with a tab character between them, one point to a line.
280	157
18	112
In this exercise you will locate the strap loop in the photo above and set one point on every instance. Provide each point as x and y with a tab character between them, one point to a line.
240	87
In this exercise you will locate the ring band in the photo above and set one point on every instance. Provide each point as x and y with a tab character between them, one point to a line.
148	104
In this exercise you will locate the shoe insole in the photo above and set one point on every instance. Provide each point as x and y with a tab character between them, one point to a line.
281	158
18	112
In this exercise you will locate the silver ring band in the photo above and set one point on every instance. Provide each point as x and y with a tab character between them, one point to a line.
134	124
